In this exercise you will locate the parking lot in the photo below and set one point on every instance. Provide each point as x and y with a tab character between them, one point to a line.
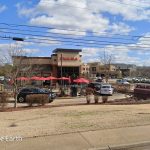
69	101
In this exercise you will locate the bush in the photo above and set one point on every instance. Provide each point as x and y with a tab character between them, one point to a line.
88	99
89	91
96	98
104	99
3	100
40	99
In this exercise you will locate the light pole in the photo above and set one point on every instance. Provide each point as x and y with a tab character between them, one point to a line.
16	88
61	69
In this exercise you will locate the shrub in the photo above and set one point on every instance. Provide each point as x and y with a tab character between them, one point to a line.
96	98
104	99
88	99
3	100
89	91
40	99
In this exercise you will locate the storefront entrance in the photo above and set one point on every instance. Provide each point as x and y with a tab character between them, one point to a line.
72	72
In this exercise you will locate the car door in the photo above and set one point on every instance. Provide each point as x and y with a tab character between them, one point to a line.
24	92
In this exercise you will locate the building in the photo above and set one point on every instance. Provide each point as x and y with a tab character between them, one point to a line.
126	69
85	70
97	69
94	68
63	62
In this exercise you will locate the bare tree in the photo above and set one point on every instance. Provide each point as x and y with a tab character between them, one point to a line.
12	72
106	59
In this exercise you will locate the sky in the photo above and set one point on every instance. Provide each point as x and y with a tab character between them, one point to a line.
120	28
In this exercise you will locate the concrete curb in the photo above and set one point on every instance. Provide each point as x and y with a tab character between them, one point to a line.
70	97
120	147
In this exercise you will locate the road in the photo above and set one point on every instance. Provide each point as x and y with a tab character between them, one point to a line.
72	101
147	147
138	146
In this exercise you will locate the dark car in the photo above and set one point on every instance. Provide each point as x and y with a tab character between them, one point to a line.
21	97
96	86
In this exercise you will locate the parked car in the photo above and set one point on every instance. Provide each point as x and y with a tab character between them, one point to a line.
122	81
106	89
21	97
142	91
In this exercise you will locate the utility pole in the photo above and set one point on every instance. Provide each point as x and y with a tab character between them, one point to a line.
16	88
61	69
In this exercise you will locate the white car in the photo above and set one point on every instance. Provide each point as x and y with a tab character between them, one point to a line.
121	81
106	89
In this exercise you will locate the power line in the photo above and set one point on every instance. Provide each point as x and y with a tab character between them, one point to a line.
64	39
81	44
44	27
63	29
34	36
48	32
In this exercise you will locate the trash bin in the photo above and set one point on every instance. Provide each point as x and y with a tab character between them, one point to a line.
74	90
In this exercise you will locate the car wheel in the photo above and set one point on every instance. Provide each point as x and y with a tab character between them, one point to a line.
21	99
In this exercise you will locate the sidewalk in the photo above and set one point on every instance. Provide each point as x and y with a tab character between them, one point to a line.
89	140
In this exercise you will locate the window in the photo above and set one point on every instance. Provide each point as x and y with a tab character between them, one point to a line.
25	90
93	68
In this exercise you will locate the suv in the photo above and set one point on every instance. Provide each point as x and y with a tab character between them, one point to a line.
21	97
96	86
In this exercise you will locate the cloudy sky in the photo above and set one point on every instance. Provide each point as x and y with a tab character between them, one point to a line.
121	28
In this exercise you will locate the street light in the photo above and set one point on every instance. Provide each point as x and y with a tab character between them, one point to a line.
61	69
16	90
17	39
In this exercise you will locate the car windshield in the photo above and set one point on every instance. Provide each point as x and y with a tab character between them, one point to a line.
106	86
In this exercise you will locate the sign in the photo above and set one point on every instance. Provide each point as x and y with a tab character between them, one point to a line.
69	58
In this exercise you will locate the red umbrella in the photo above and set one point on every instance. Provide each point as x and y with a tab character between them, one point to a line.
50	78
42	79
81	80
63	78
23	78
35	78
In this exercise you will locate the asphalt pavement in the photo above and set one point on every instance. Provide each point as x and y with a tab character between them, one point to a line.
70	100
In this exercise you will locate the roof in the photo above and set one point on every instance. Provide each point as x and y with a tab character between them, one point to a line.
31	57
125	66
66	50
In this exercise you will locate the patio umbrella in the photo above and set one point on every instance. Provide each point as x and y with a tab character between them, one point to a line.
63	78
50	78
23	79
42	79
81	80
35	78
